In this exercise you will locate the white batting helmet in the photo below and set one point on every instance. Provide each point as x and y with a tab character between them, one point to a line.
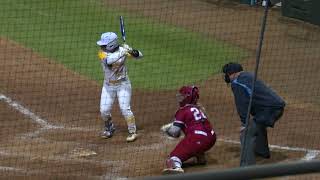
110	40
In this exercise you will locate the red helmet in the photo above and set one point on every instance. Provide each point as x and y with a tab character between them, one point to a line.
188	95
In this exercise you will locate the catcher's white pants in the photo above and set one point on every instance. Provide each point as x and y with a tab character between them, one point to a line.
121	91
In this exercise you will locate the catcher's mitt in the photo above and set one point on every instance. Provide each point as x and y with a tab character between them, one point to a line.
166	127
170	131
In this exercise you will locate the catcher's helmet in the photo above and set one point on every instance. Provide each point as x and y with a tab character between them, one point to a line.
229	69
109	40
188	95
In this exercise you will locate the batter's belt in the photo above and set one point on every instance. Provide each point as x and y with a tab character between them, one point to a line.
116	82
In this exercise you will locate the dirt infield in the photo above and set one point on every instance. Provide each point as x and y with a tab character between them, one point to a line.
50	115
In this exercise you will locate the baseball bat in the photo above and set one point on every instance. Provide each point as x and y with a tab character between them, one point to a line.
123	32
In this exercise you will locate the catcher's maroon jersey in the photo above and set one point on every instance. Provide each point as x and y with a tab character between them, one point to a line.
199	134
190	118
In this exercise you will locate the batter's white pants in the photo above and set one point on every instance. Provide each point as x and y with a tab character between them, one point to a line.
121	91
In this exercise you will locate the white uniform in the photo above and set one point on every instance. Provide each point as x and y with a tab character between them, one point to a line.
117	84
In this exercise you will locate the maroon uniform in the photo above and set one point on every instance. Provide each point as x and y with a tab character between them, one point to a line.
199	134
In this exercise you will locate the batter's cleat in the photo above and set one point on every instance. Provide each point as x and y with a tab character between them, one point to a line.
108	133
132	137
177	170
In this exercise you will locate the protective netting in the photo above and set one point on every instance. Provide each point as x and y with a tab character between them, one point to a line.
51	80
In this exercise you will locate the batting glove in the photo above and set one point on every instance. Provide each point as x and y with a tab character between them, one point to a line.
127	47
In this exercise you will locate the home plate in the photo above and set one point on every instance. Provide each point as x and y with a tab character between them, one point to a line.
81	152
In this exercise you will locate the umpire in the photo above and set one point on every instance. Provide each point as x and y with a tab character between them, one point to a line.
267	107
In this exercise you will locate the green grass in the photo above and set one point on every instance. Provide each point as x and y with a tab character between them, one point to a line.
66	31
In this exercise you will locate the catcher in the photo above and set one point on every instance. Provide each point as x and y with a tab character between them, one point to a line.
116	83
199	134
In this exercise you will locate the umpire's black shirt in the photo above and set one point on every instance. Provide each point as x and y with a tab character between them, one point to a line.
263	98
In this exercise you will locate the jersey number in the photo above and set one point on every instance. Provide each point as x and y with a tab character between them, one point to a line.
198	114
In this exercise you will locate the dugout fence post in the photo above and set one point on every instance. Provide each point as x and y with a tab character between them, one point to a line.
244	158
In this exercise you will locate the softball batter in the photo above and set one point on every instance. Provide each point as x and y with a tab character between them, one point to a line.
116	83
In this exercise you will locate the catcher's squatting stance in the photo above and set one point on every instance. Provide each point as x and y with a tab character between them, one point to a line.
199	134
116	83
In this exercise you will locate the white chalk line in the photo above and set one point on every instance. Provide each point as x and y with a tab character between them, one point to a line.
25	111
111	163
63	158
7	168
310	153
45	125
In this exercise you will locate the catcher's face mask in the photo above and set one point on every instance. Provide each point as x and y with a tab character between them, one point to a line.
179	98
187	95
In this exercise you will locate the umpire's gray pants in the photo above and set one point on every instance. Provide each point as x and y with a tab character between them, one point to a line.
256	143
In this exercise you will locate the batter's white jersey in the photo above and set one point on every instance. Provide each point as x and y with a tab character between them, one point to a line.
114	66
116	82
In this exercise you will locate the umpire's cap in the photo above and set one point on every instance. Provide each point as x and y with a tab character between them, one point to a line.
231	68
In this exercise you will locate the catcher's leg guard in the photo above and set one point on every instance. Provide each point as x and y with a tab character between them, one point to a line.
173	166
132	129
108	127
